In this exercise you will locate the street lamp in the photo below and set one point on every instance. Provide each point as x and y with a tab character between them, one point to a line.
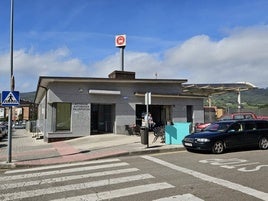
12	83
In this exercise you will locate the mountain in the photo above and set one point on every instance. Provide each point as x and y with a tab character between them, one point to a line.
28	96
250	98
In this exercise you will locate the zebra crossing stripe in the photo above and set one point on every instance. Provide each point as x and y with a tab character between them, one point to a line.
68	178
73	187
62	166
184	197
40	174
119	193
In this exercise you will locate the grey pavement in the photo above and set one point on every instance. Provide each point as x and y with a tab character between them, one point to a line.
29	151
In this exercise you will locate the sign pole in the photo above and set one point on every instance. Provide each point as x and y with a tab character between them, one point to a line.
120	42
9	159
147	120
122	57
147	103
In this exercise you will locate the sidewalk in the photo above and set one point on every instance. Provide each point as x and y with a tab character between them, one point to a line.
28	151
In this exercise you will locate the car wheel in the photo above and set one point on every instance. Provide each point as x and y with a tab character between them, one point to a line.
263	143
218	147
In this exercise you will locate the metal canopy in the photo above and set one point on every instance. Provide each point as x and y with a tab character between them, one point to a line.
211	89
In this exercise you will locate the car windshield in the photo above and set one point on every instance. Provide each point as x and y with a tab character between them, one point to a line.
218	126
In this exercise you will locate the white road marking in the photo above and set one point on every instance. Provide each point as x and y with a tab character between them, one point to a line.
220	161
184	197
62	166
245	164
234	166
246	190
58	189
224	163
40	174
252	170
67	178
119	193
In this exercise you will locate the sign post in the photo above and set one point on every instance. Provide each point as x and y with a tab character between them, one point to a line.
12	83
120	42
10	99
147	103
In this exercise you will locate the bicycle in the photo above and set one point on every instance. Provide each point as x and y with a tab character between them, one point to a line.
134	129
159	131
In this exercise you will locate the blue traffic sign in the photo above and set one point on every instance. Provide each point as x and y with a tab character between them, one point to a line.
10	98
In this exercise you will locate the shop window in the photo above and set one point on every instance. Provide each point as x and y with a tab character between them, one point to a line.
63	116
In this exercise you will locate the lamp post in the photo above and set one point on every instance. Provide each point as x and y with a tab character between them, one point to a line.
12	83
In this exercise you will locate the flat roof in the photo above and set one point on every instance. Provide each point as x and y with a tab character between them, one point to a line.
190	90
44	81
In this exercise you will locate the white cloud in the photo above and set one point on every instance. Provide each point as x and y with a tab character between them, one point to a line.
28	66
55	62
240	56
144	64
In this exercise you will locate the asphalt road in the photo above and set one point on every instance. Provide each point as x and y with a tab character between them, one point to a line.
240	175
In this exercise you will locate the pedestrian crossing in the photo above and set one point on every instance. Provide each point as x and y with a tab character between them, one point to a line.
119	193
92	180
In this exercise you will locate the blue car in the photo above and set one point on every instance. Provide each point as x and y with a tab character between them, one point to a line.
223	135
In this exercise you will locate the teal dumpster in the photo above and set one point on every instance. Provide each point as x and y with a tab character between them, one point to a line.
175	133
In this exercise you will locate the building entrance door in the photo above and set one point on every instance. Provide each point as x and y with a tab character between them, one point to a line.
161	113
102	118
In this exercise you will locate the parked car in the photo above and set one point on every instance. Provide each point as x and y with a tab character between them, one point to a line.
243	115
3	130
1	135
19	125
237	116
222	135
201	126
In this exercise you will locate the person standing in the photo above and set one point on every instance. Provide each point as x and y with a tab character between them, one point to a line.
150	121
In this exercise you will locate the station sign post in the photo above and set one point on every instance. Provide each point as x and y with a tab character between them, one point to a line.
120	42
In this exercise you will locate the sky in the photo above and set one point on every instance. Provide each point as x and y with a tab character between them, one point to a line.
203	41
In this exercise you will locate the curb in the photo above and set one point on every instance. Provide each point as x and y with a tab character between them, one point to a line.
5	165
154	151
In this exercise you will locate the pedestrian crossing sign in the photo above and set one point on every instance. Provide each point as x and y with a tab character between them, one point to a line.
10	98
